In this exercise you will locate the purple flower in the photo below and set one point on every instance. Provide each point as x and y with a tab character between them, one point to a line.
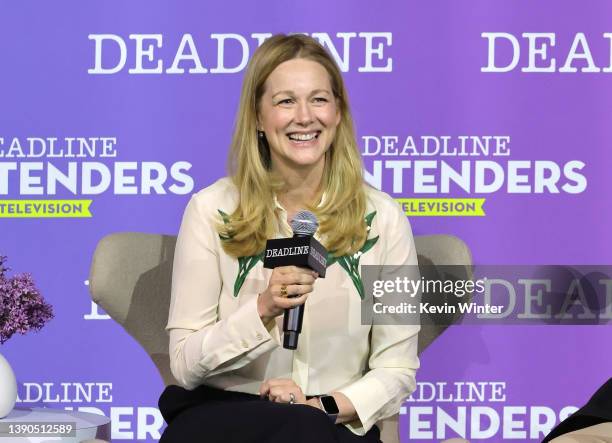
22	308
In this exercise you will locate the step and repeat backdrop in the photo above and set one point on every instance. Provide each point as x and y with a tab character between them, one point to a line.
488	120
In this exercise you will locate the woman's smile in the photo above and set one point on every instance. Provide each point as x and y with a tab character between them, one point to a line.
298	114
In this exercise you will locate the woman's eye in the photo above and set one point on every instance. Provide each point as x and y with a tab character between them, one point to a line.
286	101
320	100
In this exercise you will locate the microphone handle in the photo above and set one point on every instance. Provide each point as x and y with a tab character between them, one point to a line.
293	318
292	326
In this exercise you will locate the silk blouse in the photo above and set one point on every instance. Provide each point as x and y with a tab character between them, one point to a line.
217	337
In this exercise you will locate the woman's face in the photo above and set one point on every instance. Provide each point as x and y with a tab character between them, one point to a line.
299	114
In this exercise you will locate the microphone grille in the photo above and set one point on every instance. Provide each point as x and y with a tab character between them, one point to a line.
304	223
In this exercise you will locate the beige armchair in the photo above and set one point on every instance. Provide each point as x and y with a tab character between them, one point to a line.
131	274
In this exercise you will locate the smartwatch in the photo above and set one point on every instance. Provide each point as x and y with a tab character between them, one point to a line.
328	404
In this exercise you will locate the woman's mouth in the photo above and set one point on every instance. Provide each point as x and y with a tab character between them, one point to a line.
303	138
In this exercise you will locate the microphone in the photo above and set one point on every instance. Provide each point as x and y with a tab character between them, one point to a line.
300	250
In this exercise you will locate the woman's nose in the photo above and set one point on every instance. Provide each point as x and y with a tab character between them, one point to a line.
303	114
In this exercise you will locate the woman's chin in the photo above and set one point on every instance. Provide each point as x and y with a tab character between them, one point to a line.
300	157
305	162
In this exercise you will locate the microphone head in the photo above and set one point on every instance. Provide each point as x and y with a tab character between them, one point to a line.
304	223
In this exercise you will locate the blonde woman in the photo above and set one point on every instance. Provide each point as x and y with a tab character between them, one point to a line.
293	148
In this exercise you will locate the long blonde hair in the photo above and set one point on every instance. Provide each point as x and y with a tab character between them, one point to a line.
341	214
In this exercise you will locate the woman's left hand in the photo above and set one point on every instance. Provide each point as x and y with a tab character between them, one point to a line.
282	390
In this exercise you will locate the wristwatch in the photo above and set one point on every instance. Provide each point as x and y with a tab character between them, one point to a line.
329	406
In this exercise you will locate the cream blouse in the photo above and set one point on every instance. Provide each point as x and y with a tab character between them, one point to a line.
218	339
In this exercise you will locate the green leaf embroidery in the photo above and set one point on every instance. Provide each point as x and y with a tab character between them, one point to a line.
224	216
350	263
226	220
368	244
245	264
369	218
346	263
331	259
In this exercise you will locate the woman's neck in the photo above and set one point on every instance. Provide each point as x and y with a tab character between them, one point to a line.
301	188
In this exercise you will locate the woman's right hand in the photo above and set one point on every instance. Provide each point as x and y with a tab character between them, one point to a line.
288	286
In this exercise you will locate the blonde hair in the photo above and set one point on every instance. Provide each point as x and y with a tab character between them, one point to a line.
341	214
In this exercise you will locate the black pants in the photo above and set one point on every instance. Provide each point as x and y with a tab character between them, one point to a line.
597	410
209	415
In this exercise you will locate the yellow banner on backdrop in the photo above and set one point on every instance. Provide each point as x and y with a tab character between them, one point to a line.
45	208
442	207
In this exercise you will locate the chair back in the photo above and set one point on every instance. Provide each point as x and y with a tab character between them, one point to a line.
131	274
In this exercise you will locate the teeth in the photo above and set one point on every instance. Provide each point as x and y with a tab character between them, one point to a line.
302	137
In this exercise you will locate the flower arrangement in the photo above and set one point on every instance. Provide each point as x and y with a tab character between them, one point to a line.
22	308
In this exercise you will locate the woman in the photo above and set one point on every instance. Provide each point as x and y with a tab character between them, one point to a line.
293	148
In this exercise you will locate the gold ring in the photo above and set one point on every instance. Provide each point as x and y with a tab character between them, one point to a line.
284	290
291	398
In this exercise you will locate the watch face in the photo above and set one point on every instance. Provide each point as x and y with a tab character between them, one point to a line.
329	404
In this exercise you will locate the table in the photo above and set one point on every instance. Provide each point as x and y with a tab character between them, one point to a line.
88	426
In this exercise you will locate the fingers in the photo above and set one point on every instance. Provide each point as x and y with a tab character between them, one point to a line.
284	394
282	390
288	286
285	291
294	270
293	278
264	389
290	302
291	281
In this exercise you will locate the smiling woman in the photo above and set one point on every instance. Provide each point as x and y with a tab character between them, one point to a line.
293	148
298	116
293	88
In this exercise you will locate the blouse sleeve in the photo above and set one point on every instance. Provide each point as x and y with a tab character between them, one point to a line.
393	357
201	345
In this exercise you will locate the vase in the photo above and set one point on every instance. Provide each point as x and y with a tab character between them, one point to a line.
8	388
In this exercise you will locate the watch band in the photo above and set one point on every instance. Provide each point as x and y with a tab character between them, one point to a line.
329	406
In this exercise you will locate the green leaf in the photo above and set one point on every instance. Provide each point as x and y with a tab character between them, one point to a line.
348	264
224	216
240	277
344	263
331	259
245	264
226	220
355	266
368	244
369	218
359	286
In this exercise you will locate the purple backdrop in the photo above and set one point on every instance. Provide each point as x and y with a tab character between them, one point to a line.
413	69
